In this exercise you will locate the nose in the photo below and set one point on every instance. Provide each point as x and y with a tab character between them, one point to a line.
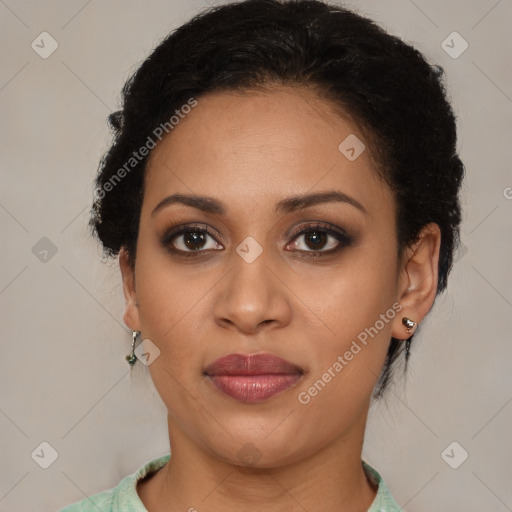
253	297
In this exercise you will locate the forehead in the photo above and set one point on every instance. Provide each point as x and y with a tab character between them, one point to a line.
256	146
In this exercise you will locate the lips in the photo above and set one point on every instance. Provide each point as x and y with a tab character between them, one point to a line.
253	378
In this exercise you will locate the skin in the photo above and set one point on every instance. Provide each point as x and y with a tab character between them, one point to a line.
250	151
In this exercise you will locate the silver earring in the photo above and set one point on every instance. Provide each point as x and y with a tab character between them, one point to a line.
410	325
132	358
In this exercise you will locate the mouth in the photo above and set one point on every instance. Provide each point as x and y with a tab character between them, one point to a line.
253	378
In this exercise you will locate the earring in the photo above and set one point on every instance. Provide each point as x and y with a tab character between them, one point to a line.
411	325
132	358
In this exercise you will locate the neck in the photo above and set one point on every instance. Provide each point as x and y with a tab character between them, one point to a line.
195	480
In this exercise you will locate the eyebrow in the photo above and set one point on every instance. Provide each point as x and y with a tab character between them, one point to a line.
287	205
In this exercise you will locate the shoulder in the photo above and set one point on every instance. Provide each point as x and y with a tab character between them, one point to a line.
122	496
384	501
101	501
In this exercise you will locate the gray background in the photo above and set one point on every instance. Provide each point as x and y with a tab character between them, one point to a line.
63	376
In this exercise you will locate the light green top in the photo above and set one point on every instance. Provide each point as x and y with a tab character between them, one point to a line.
124	497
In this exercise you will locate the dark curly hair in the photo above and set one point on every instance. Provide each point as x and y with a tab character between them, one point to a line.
396	98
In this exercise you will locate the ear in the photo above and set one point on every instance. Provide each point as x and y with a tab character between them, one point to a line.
131	314
418	279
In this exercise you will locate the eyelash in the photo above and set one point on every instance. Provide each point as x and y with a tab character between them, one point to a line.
344	239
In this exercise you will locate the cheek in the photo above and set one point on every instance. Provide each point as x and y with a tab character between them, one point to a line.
352	295
347	360
166	291
167	299
354	304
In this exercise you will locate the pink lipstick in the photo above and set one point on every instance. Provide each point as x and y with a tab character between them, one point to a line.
253	378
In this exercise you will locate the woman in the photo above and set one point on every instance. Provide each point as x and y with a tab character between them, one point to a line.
282	192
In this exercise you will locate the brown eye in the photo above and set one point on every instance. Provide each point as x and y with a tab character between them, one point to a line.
315	240
194	240
320	239
190	239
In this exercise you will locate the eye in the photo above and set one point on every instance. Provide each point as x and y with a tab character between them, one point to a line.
319	239
316	239
190	239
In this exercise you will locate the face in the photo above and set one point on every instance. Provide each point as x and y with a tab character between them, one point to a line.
315	282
